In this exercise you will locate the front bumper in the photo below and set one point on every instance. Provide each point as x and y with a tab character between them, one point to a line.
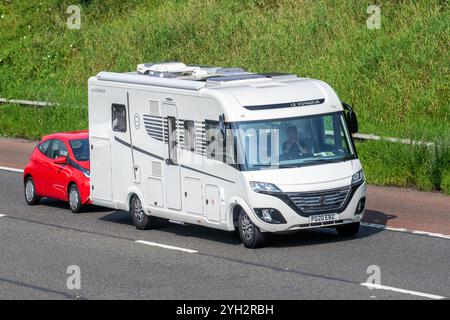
85	191
295	219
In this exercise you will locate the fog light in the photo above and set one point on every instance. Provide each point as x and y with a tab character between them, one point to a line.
270	215
266	215
360	206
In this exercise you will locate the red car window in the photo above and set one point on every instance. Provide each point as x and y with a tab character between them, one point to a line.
58	149
44	147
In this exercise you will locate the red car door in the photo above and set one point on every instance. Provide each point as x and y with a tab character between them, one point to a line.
58	174
41	167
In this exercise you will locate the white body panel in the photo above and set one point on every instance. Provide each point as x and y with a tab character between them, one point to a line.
176	183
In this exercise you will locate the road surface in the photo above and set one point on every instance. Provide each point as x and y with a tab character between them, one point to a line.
39	243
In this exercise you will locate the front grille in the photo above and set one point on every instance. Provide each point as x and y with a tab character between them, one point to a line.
320	201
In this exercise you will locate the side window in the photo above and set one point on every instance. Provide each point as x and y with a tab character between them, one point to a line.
57	149
329	127
172	143
334	136
215	143
43	147
119	117
189	135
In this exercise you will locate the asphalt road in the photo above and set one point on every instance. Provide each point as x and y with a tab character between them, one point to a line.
37	244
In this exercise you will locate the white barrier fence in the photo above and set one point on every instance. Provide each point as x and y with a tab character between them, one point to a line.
28	102
363	136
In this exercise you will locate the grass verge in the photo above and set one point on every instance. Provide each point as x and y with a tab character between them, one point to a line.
415	166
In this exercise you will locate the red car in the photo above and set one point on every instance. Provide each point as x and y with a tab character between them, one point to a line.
59	169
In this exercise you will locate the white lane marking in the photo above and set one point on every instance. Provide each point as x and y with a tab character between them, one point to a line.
2	215
155	244
11	169
424	233
415	293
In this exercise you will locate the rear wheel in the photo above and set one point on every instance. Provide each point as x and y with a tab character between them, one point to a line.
140	219
30	192
348	230
250	234
75	199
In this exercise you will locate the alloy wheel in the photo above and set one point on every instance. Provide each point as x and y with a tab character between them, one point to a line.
247	227
138	211
29	190
73	198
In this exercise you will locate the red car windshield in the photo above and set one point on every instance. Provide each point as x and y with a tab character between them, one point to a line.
80	149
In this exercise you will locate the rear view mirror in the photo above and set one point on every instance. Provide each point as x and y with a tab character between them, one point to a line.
60	160
350	118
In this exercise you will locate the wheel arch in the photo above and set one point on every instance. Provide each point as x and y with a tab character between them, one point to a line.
69	184
135	191
236	205
26	175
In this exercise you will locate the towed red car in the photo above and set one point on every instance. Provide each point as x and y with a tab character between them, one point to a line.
59	169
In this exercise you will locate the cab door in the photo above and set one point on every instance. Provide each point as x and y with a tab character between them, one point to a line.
171	156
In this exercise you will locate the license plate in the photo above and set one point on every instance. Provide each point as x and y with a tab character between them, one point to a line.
323	217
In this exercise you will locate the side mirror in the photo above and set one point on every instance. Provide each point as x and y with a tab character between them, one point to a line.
350	118
60	160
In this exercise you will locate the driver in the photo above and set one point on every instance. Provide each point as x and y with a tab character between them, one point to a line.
292	144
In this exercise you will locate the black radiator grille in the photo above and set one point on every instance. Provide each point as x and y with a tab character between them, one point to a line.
320	201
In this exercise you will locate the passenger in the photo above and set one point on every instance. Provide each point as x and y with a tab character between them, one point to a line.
292	145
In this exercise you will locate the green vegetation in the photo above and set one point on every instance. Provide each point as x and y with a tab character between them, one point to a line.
30	122
387	163
396	77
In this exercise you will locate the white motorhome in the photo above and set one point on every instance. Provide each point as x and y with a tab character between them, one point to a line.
226	149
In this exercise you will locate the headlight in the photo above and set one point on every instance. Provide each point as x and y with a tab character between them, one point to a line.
264	187
358	177
86	173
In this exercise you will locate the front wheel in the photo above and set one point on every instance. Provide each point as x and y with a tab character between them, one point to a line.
75	199
250	234
140	219
348	230
30	192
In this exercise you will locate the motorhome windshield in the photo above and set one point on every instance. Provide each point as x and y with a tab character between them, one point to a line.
293	142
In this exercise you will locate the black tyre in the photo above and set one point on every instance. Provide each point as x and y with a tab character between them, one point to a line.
30	192
250	234
74	199
140	219
348	230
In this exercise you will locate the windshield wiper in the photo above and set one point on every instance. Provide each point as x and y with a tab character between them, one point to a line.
323	160
334	160
289	165
263	165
